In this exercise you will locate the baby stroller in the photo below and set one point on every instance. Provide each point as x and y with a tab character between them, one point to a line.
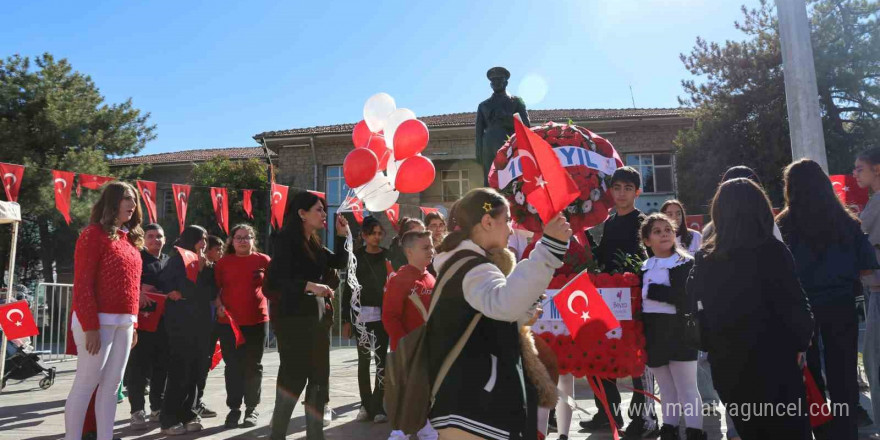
22	363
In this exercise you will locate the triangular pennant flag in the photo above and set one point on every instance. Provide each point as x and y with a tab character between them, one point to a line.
426	210
220	197
393	214
279	204
246	202
547	186
191	262
12	175
148	194
63	182
91	181
319	194
181	200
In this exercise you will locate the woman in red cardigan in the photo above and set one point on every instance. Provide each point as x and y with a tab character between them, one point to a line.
106	288
239	276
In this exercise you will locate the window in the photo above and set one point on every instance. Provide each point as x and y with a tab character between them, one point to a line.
656	171
336	191
455	184
168	208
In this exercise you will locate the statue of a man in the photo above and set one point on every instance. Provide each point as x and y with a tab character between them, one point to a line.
495	119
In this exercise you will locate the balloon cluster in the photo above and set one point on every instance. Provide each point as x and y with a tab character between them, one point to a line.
592	353
386	159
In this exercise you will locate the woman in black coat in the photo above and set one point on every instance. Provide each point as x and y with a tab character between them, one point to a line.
189	323
756	321
300	311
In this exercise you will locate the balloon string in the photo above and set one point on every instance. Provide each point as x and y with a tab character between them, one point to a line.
366	338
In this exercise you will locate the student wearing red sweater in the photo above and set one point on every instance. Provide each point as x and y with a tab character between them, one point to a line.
407	300
239	276
106	288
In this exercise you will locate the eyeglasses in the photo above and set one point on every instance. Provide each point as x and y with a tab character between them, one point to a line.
245	238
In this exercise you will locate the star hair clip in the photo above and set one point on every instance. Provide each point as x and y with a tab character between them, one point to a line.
487	207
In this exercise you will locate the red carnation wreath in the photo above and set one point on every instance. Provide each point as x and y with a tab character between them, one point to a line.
585	151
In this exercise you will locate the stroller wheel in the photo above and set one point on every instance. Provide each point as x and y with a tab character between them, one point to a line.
45	383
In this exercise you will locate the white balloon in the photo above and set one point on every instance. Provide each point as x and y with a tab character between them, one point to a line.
394	120
393	166
377	109
378	194
373	185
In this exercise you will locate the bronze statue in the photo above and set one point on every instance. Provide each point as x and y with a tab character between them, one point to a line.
495	119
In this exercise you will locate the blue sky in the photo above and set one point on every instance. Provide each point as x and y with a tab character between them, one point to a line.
214	73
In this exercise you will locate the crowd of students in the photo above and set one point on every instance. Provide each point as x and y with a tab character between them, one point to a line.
731	314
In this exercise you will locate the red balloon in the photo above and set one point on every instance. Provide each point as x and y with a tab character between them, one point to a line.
410	139
359	167
382	152
414	175
360	135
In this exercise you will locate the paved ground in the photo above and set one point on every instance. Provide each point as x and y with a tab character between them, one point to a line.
26	412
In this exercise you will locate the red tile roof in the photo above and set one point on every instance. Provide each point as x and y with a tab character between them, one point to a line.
192	156
467	119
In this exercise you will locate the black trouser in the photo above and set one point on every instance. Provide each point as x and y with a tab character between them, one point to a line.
838	326
373	398
613	397
205	367
148	363
244	371
188	337
304	352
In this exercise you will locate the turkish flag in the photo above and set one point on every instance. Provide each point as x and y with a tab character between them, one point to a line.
426	211
246	202
319	194
148	194
91	181
220	197
355	206
12	175
63	181
16	320
580	304
847	189
695	222
181	199
191	262
547	186
393	214
148	317
236	330
279	204
217	356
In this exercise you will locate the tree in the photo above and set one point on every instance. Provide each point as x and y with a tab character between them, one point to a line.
53	117
738	97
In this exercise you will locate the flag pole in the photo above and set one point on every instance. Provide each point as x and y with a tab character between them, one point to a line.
9	288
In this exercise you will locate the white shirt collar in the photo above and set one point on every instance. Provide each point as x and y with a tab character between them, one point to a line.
669	262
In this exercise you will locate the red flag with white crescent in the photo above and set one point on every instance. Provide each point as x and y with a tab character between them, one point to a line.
181	201
848	191
191	262
91	181
63	182
220	197
148	317
17	321
11	174
393	214
246	202
279	204
148	195
580	304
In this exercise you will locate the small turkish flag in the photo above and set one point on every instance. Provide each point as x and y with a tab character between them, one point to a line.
355	206
393	214
547	186
236	330
91	181
246	202
191	262
426	211
847	189
63	182
217	356
580	304
148	194
279	204
16	320
695	222
12	175
220	197
148	317
181	200
319	194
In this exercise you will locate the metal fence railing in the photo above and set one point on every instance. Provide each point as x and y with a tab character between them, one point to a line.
51	310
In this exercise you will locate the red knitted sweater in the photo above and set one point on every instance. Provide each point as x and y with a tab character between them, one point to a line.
106	276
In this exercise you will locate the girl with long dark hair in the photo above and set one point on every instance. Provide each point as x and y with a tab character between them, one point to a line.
189	324
688	239
755	320
299	298
106	288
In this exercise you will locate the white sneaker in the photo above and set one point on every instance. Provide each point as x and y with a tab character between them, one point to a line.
154	416
194	425
328	415
139	420
177	429
363	415
380	418
398	435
